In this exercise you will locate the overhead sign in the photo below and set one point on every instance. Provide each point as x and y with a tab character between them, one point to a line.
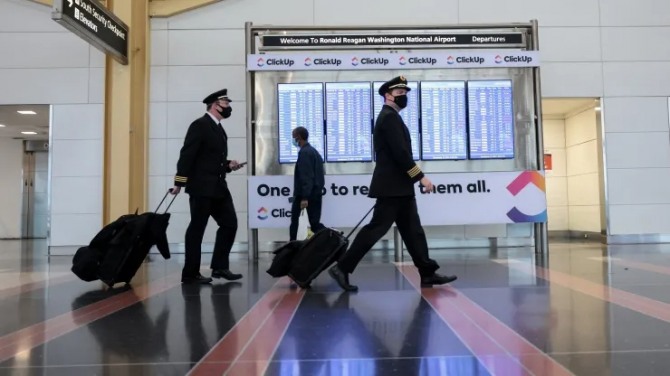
94	23
367	40
297	61
457	199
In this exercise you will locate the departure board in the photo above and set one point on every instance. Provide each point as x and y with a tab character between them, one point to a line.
410	115
443	120
491	118
300	105
348	122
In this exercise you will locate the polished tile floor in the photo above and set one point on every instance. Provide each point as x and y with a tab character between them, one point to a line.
587	309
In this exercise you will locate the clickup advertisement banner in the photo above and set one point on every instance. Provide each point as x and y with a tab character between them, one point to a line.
305	61
456	199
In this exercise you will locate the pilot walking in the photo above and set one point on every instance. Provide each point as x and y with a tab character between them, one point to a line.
202	168
393	188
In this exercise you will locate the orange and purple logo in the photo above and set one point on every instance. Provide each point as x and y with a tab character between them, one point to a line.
516	186
354	61
262	214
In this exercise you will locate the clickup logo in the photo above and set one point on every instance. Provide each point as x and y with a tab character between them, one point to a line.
498	59
262	213
354	61
260	62
402	60
516	186
308	62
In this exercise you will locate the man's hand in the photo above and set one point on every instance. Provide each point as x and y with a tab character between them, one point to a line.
234	165
175	190
427	184
303	204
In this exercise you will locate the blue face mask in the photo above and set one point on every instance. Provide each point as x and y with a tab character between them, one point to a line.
295	142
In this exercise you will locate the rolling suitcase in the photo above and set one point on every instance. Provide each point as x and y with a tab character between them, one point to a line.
318	253
281	263
131	245
87	259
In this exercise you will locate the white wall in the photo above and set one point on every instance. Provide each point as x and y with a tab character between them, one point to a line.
557	181
583	172
36	69
573	195
11	170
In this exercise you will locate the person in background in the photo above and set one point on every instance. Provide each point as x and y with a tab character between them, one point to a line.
393	186
308	183
201	169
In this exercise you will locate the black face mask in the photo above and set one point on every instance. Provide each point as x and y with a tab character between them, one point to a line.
401	101
225	112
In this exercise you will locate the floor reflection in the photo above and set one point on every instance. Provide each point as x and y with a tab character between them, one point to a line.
591	308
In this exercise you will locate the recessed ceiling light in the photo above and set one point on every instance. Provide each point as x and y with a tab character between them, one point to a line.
28	132
2	125
27	112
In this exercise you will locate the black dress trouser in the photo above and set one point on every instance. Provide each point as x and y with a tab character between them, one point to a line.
314	205
223	212
403	211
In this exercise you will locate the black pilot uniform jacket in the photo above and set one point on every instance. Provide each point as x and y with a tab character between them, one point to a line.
203	160
395	172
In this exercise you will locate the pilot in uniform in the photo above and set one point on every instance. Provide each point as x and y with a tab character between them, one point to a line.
201	169
393	188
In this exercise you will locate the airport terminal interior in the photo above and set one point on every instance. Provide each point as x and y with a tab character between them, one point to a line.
544	127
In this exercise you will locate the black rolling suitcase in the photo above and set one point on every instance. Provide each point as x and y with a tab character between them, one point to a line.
281	263
87	259
130	246
318	253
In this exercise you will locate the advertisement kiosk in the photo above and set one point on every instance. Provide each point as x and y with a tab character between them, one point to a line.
473	116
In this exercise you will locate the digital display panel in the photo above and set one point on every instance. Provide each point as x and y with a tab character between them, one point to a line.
410	115
348	122
491	119
443	120
300	105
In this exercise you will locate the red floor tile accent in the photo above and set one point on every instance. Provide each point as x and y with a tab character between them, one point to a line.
641	304
32	286
38	334
255	337
499	348
262	347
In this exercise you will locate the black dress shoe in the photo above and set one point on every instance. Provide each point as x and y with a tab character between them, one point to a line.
226	274
341	278
437	279
198	279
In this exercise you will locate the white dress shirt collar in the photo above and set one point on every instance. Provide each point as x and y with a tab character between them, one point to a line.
213	118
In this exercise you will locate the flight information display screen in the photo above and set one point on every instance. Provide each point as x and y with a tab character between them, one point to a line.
443	120
348	122
300	105
410	115
491	118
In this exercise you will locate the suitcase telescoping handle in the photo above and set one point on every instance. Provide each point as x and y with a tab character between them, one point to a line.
164	197
361	221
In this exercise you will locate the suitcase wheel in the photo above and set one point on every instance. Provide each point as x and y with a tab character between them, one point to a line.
304	286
